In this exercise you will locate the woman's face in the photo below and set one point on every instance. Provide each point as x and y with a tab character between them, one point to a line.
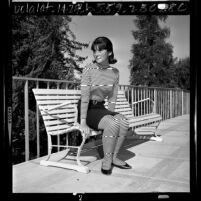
101	56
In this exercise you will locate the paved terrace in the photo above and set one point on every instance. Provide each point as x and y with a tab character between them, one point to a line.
157	167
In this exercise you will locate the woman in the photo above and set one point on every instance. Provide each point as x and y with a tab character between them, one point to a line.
100	81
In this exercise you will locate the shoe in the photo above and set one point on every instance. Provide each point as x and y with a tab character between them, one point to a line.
106	172
157	138
126	166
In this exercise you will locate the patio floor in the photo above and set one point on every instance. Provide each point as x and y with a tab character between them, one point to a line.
157	167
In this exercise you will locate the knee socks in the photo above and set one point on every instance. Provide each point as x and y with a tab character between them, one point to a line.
123	130
110	127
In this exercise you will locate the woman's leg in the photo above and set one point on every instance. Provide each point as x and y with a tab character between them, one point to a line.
124	126
110	127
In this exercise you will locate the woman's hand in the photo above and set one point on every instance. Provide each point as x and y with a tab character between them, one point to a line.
84	128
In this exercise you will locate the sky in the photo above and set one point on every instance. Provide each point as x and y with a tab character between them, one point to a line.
119	30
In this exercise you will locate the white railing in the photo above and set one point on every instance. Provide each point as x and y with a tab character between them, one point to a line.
168	102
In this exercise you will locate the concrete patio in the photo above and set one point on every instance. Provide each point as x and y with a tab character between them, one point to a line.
157	167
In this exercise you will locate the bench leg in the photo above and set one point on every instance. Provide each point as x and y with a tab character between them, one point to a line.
78	158
156	137
156	129
49	146
83	158
79	167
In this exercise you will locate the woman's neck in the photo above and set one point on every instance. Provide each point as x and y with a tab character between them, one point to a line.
103	65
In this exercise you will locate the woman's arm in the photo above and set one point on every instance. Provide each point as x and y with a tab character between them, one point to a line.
113	97
85	95
85	92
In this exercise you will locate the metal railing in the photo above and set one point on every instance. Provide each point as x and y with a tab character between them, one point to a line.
167	102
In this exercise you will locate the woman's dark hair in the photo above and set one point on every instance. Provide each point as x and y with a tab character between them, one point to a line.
103	43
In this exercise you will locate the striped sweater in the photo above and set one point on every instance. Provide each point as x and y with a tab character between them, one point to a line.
98	84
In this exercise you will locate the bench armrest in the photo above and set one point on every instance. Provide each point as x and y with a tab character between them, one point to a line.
146	99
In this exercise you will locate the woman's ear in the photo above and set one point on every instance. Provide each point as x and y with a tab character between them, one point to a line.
110	53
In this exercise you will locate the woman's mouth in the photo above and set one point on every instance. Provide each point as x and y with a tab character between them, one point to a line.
98	58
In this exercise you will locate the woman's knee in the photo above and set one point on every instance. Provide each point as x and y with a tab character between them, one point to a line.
113	124
110	123
123	121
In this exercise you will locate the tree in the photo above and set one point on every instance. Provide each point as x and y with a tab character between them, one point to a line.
42	47
182	73
152	55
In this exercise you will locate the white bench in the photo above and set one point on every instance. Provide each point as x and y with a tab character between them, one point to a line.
58	108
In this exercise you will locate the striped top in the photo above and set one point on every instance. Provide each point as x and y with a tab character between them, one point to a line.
98	84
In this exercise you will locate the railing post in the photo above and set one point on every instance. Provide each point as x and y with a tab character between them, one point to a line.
143	92
135	95
128	94
188	95
26	118
155	100
132	106
182	102
37	127
140	102
138	98
58	136
170	103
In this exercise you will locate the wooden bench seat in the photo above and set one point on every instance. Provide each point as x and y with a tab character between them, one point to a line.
58	108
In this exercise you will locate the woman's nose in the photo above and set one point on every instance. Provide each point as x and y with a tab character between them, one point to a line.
96	53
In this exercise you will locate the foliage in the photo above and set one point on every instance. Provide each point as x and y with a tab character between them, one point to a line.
182	73
42	47
152	56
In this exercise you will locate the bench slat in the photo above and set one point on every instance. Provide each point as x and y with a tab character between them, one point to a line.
121	99
126	113
146	119
57	111
122	110
54	102
58	122
61	131
59	97
62	116
121	92
118	103
59	127
55	91
147	116
122	106
141	123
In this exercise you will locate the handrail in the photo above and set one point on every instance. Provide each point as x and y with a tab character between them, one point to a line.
149	87
76	82
42	79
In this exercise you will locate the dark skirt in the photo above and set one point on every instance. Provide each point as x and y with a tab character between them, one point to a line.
95	113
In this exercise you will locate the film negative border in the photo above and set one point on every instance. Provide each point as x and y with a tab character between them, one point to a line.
101	8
